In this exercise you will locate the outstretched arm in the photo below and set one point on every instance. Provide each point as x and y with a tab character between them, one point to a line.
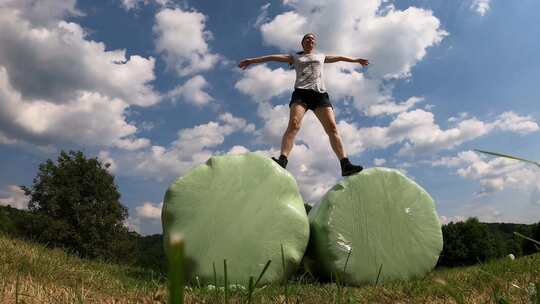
331	59
280	58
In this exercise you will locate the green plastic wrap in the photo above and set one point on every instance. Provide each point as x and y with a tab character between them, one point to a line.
374	226
238	208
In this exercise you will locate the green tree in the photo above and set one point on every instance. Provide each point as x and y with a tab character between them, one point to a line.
466	243
534	233
78	205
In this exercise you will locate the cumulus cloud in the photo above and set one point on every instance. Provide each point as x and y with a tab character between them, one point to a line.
145	218
192	91
182	39
420	133
135	4
263	16
90	119
42	13
56	86
447	219
149	211
494	174
481	7
14	197
314	164
365	28
262	83
105	157
388	107
57	62
510	121
192	146
237	150
379	161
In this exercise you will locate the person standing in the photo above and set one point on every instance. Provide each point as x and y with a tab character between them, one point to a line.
310	94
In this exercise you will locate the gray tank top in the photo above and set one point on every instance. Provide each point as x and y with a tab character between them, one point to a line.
309	71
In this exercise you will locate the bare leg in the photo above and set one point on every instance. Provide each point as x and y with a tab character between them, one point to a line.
295	121
328	119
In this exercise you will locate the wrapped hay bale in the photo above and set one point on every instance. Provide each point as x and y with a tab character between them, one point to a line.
239	208
377	225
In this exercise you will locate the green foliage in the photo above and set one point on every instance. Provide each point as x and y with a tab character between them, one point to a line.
76	203
466	243
534	233
7	225
150	253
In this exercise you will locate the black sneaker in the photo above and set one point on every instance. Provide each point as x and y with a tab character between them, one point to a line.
282	161
349	169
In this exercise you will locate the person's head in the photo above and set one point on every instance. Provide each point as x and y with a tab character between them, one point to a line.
308	42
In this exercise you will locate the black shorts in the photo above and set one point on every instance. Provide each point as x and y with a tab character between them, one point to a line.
310	99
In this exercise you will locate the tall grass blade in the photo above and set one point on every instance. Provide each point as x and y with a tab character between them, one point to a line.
284	275
378	275
176	269
17	288
215	277
262	272
215	273
226	286
508	156
283	265
347	260
250	289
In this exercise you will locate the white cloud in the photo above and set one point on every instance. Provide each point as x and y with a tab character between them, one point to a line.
58	87
494	174
146	218
105	158
262	83
134	4
480	6
15	197
192	91
42	13
365	29
90	119
263	16
237	150
314	165
192	146
510	121
379	161
182	39
416	129
447	219
386	108
149	211
55	63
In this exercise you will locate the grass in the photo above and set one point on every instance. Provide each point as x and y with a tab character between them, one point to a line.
31	273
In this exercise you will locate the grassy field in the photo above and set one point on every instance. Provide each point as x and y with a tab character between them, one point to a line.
30	273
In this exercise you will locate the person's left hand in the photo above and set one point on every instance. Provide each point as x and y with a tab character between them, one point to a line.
363	62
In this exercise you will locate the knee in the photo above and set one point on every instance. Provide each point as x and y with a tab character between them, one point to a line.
294	126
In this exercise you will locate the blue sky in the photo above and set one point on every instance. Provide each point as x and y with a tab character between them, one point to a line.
153	88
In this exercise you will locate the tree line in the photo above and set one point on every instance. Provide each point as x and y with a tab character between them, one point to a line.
75	205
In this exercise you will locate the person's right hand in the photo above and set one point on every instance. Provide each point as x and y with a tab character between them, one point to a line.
244	64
